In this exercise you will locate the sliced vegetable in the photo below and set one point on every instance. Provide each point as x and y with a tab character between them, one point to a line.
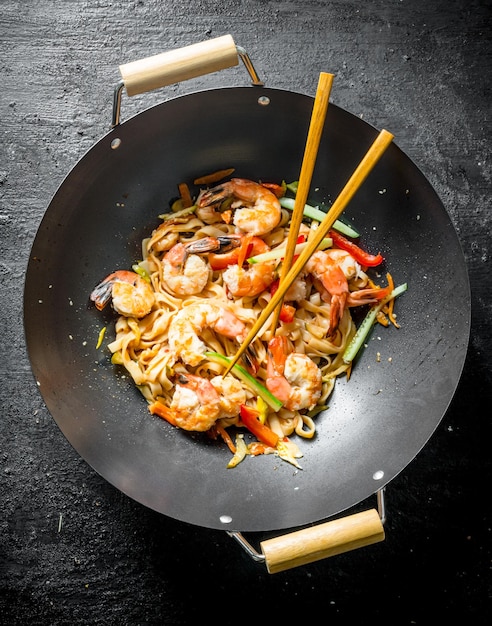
141	271
362	332
262	407
319	215
287	313
293	186
185	195
181	212
288	451
247	379
214	177
116	358
226	437
100	337
361	256
279	252
241	452
250	418
157	408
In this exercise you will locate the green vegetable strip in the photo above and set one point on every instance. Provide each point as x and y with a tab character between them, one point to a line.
247	379
278	253
318	215
362	332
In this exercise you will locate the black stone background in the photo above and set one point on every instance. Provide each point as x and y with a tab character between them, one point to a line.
420	68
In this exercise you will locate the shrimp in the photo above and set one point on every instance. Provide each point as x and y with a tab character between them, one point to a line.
256	209
243	281
189	322
231	395
334	269
249	282
292	377
195	404
131	295
184	272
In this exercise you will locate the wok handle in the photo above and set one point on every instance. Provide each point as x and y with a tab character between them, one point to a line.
178	65
322	541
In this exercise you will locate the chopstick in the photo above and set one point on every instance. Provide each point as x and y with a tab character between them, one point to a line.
315	131
359	175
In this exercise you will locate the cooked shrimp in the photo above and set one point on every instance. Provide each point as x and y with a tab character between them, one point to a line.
234	249
256	209
189	322
292	377
231	395
131	295
184	272
195	404
241	281
249	281
334	269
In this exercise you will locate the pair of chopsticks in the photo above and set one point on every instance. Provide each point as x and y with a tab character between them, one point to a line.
359	175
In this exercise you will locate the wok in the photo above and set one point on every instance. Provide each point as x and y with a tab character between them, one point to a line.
400	386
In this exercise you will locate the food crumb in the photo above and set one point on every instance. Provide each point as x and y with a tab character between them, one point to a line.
378	357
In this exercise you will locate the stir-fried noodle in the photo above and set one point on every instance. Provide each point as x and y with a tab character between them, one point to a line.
197	292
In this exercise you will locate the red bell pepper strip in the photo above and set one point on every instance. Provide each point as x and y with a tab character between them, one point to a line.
250	418
362	257
287	311
221	261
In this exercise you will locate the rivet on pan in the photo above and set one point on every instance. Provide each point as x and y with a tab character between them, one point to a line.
378	475
225	519
116	143
264	101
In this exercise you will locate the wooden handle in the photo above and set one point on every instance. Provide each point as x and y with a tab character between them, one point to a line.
322	541
175	66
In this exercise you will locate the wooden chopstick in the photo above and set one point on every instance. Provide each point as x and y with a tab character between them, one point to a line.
361	172
315	131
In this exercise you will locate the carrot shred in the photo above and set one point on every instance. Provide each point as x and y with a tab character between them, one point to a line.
214	177
185	195
226	437
391	303
382	319
157	408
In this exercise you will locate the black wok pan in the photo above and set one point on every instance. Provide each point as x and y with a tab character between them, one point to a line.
376	423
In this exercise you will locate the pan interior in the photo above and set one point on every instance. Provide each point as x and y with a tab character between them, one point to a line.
376	423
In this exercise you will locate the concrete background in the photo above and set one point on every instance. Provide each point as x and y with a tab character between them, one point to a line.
418	68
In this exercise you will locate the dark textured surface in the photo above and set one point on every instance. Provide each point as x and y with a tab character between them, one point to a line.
419	69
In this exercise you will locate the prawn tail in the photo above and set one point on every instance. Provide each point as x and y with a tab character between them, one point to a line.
279	387
338	304
276	382
367	296
101	294
212	196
